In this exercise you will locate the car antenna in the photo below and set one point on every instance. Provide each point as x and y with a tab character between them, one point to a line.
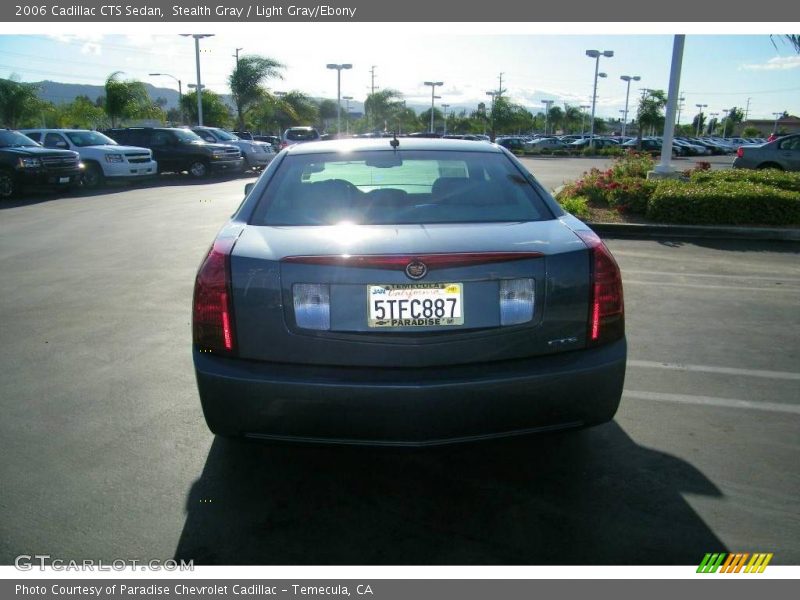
394	142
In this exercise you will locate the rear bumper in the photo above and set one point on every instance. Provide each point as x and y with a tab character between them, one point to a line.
414	407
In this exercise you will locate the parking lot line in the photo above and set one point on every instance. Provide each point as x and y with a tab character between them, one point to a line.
712	401
648	364
738	276
711	287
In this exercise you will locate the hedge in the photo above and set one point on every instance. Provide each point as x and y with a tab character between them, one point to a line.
771	177
723	203
575	205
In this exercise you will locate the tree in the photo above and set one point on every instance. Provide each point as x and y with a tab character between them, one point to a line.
650	111
128	100
81	113
698	122
247	79
751	132
295	108
215	112
382	108
573	118
19	102
555	119
328	112
425	119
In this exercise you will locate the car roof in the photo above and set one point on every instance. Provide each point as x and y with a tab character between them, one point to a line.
365	144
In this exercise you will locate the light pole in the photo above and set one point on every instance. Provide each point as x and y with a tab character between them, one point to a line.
180	91
777	116
714	115
199	86
491	111
339	92
628	79
725	123
347	113
236	55
445	107
699	117
583	118
433	85
547	105
596	54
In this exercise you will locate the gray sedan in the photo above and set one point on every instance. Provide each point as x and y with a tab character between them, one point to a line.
783	153
405	292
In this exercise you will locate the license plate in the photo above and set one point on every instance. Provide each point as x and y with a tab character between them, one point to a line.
63	180
415	305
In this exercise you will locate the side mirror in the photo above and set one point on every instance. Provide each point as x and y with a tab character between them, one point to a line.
248	187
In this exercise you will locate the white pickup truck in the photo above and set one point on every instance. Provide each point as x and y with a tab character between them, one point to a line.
103	159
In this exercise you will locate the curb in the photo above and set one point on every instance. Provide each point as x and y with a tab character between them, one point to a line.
696	231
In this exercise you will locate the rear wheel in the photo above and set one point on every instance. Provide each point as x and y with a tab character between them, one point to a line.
6	184
769	165
93	176
198	169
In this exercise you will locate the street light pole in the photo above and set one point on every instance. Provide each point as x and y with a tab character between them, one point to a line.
628	79
445	107
725	123
777	116
583	108
714	115
347	114
433	85
180	91
596	54
197	37
699	117
339	68
547	105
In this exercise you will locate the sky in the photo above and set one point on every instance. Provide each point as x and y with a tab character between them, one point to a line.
720	70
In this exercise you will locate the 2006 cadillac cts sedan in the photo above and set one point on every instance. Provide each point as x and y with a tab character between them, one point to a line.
405	292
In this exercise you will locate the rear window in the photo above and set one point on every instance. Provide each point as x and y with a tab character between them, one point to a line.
407	187
302	135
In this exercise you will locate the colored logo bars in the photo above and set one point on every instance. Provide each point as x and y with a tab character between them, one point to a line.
733	563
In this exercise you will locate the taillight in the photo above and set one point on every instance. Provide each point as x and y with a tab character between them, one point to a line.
606	308
740	152
212	311
284	145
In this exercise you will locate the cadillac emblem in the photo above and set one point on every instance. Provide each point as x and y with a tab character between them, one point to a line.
416	269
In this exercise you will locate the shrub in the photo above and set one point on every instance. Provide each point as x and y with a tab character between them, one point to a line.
633	164
575	205
771	177
723	203
545	151
588	151
560	153
593	186
630	194
612	151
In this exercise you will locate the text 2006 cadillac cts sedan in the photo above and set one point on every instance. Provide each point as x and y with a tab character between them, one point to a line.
405	292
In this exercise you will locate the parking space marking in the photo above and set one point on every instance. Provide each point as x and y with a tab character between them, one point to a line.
712	287
713	401
648	364
712	275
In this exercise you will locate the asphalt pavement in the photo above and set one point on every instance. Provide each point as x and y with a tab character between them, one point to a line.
104	452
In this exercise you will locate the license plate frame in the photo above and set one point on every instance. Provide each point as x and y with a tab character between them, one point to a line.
419	308
63	180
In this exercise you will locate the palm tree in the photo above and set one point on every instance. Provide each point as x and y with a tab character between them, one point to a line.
18	101
247	79
383	107
128	100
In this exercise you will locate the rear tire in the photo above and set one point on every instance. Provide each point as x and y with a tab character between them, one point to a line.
763	166
7	187
199	169
93	177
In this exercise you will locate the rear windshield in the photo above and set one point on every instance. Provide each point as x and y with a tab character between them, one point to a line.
302	135
407	187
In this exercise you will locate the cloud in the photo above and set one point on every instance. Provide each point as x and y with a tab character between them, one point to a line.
91	48
778	63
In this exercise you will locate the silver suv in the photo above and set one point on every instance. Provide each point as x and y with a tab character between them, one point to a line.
257	155
298	135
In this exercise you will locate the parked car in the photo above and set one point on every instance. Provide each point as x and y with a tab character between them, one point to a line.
273	140
177	150
24	163
550	143
599	143
257	155
652	146
783	153
512	143
103	159
298	135
407	291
